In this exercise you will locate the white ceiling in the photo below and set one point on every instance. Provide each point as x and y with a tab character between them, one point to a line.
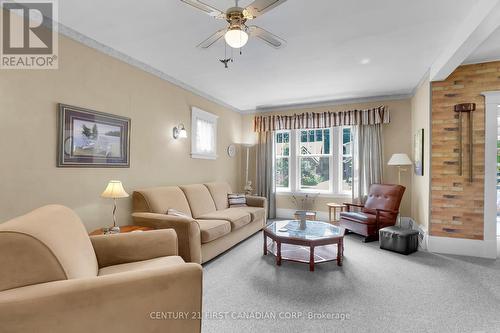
327	42
488	51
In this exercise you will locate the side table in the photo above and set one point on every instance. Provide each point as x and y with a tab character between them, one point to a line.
334	206
123	229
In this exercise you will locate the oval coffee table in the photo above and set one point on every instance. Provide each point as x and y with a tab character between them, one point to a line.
314	244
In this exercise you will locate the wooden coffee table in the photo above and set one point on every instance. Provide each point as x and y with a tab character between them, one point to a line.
319	242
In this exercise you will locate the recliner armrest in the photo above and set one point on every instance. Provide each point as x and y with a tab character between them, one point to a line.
349	204
187	229
117	249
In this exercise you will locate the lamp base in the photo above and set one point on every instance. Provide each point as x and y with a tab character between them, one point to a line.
111	230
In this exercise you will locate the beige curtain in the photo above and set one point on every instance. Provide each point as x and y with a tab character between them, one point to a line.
265	171
368	160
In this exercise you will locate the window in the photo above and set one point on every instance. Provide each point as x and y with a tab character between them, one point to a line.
314	160
318	160
282	152
204	134
347	143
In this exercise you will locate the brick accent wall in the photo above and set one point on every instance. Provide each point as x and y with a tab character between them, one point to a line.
456	204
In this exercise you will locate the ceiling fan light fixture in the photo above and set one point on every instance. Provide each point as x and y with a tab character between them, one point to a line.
236	38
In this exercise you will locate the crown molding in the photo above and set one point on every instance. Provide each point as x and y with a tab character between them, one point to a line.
333	102
92	43
480	61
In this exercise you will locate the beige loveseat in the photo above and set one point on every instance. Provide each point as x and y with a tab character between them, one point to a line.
210	227
54	278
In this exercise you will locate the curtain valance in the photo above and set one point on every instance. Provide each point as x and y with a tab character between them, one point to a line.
308	120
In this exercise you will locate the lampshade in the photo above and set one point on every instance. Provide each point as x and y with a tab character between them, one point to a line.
236	38
400	159
114	190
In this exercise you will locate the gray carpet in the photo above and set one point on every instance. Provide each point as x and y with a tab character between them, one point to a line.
375	291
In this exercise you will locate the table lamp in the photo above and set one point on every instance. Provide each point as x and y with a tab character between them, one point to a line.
114	191
400	160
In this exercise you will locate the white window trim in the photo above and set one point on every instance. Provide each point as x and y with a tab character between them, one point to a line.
197	113
335	156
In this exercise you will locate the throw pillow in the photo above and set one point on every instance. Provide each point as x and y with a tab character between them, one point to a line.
236	200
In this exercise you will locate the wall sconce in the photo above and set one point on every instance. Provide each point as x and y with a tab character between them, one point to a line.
180	132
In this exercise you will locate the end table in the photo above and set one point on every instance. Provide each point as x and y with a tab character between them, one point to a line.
335	206
123	229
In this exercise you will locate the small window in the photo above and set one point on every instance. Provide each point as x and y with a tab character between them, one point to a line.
204	134
346	185
282	154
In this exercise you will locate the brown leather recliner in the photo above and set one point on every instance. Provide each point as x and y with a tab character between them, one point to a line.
380	210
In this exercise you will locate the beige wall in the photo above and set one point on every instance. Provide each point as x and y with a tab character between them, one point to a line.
420	119
90	79
397	139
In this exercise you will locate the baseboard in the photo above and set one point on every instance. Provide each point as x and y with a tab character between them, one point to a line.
464	247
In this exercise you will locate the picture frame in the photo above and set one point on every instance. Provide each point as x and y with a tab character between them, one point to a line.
92	139
418	157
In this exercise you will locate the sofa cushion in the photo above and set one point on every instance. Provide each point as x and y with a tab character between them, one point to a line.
256	213
359	217
142	265
212	229
219	192
366	218
199	199
160	199
237	216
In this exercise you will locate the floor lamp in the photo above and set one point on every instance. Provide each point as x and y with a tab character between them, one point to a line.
400	160
248	184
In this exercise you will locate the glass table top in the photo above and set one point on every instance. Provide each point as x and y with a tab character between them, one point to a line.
314	230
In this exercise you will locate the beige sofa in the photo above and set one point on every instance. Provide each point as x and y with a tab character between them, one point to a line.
210	227
54	278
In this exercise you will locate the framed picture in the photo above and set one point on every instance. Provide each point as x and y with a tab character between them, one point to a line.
419	153
92	139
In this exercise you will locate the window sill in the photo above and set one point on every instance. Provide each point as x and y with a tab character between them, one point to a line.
204	156
320	194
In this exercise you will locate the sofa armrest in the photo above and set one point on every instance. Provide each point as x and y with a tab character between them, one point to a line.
118	249
255	201
187	229
124	302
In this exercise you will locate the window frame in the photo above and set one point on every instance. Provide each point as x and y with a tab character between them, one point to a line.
211	118
294	170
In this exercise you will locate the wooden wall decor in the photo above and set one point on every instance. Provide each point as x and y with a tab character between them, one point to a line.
465	108
457	205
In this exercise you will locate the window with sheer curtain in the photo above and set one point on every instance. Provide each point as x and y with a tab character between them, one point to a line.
204	134
315	160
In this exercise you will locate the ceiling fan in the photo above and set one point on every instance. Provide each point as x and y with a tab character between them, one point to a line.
237	32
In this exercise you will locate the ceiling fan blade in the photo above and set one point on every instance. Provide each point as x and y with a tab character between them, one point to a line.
266	36
205	8
259	7
212	39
